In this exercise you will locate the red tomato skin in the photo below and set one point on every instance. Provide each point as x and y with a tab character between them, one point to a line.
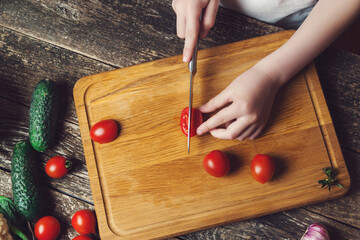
104	131
216	163
84	221
262	168
196	121
47	228
56	167
82	237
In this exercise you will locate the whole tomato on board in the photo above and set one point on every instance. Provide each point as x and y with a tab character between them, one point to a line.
216	163
262	168
82	237
84	221
104	131
196	120
57	167
47	228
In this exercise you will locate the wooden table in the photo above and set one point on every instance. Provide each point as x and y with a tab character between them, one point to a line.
66	40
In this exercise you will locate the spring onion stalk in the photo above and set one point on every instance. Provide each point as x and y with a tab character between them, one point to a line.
316	231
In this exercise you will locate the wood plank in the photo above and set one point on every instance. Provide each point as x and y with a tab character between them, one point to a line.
339	73
58	205
14	127
25	61
135	32
13	51
169	186
38	60
289	225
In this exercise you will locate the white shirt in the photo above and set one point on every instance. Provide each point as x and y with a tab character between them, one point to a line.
284	13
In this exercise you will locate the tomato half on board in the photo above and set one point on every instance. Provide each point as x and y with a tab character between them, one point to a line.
262	168
196	120
104	131
216	163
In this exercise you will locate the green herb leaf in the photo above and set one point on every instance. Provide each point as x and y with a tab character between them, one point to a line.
339	185
16	231
7	208
331	180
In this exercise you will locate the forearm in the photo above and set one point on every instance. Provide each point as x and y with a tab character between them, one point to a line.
325	23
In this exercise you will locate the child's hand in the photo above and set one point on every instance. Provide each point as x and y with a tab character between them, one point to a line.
188	25
246	105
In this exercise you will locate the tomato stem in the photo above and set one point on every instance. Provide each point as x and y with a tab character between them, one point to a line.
68	164
31	230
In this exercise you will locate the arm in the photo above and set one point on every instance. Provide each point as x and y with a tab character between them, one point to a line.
246	103
324	24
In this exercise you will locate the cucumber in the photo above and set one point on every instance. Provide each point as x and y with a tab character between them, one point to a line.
43	115
23	180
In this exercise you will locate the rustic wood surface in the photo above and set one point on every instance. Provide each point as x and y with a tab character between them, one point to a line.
65	40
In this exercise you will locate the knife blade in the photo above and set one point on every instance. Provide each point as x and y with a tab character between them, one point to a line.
192	69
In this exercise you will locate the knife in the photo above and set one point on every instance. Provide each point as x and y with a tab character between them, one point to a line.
192	68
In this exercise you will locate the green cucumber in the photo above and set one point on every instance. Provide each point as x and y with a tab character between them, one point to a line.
23	180
43	115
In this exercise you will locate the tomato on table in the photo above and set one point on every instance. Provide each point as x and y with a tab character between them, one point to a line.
57	167
262	168
196	120
47	228
84	221
104	131
216	163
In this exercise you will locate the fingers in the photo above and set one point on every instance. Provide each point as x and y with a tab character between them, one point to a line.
216	102
188	25
208	18
180	25
191	34
227	124
247	132
233	131
223	116
257	132
239	130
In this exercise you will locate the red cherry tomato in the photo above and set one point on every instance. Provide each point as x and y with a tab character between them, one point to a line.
104	131
262	168
216	163
196	120
84	221
47	228
57	167
82	237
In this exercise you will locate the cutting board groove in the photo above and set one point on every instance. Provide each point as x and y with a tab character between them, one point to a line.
146	186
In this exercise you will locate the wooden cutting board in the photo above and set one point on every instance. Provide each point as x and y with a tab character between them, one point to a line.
145	185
